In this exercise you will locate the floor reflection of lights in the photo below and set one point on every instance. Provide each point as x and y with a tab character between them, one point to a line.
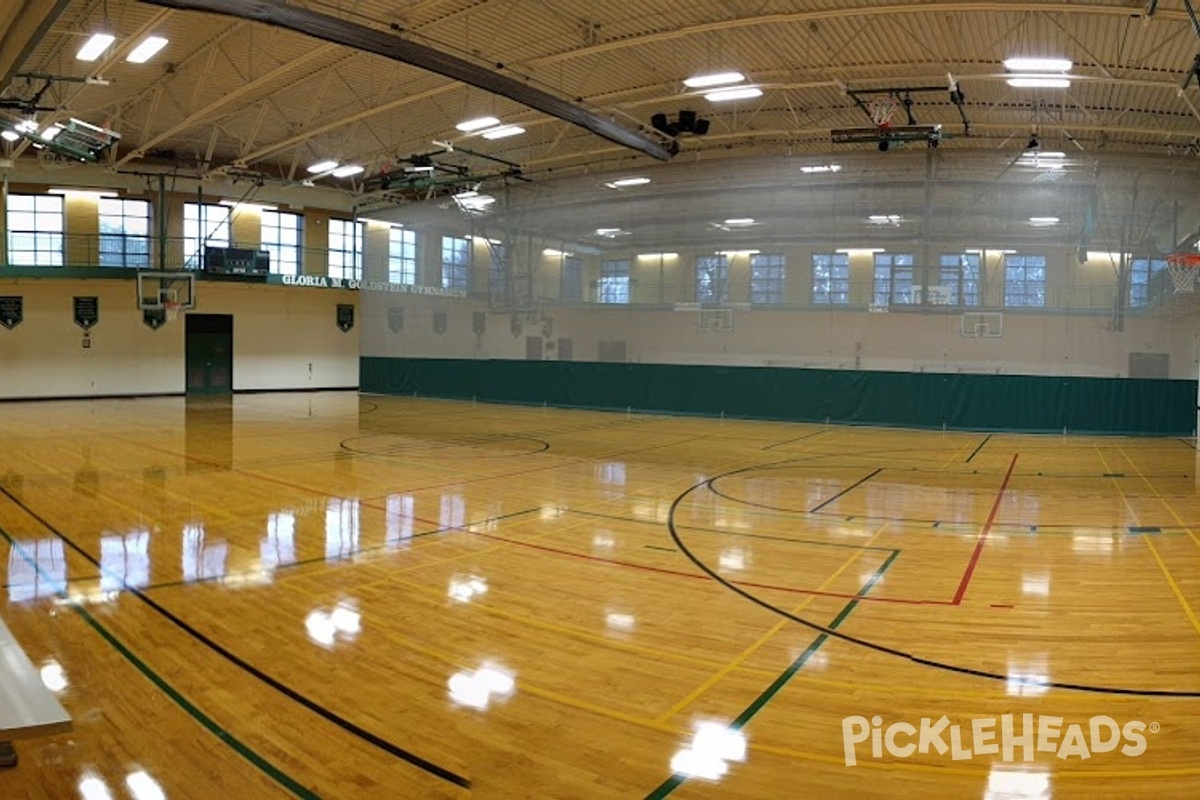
712	747
342	623
476	689
464	588
1008	783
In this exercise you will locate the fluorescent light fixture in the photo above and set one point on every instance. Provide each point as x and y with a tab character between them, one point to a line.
477	124
483	239
1040	82
885	219
657	255
97	193
713	79
1041	222
1037	64
611	233
818	169
323	166
347	171
742	93
27	126
387	222
741	221
553	253
51	132
146	50
1040	154
95	46
623	182
10	136
870	251
503	132
734	253
239	204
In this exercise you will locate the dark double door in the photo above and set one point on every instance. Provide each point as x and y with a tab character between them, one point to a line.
209	353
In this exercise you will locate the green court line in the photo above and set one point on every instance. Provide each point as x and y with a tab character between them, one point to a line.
266	767
675	781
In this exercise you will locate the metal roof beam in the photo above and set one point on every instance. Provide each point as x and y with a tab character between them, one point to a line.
332	29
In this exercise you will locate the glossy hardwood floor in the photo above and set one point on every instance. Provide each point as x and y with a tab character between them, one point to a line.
334	596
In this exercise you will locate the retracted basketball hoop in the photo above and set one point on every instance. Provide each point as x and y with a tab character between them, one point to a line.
1184	267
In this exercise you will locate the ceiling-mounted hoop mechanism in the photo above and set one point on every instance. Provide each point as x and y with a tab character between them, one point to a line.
882	103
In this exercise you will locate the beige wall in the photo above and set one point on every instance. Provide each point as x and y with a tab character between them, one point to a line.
1033	343
284	338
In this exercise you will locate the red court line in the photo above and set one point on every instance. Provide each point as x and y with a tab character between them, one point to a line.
987	528
702	577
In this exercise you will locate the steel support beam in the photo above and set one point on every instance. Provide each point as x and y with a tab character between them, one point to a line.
338	31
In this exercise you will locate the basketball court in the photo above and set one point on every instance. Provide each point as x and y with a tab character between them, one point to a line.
557	602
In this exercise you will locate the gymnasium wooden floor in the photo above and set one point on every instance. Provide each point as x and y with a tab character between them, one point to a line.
344	597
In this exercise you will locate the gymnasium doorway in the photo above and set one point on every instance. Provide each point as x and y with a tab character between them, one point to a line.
209	353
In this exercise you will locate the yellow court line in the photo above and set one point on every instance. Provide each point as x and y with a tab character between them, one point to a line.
762	640
1191	615
1160	498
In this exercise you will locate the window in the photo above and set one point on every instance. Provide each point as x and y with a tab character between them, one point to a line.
124	233
35	230
499	269
281	237
345	249
1024	281
1141	271
831	278
893	279
959	277
768	278
456	262
614	282
204	225
402	256
712	279
571	289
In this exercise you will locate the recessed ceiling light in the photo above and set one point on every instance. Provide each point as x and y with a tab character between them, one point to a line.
1040	82
95	46
713	79
742	93
503	132
10	136
323	166
1037	64
347	171
477	124
146	50
623	182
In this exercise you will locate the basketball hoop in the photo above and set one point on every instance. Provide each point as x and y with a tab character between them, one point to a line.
882	109
1183	268
171	310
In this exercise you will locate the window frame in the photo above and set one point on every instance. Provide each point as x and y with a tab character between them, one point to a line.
967	290
194	237
46	242
710	288
281	264
456	263
613	287
347	257
887	287
402	265
1141	275
837	292
1026	287
768	289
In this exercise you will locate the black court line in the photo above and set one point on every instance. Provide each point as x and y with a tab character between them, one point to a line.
977	449
207	722
1190	443
797	439
875	646
739	534
388	747
846	491
664	549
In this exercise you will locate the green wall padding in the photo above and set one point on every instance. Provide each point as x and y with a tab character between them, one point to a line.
924	400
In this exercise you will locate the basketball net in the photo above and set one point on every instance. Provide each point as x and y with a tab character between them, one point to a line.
171	309
882	109
1183	268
